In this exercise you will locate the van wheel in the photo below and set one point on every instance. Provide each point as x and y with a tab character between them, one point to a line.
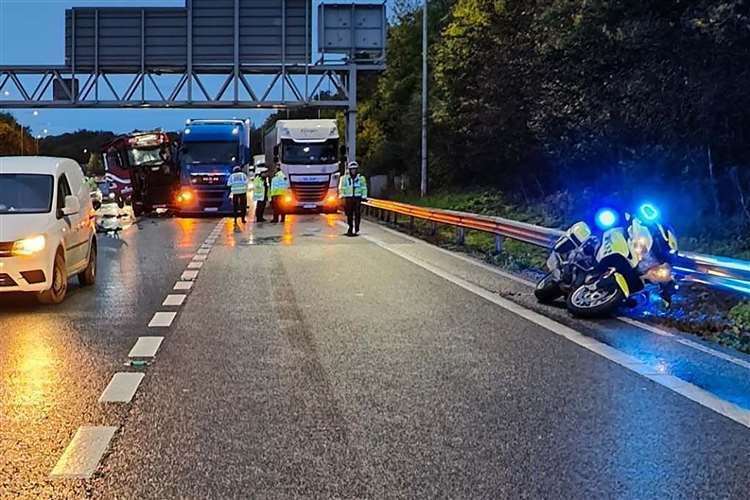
87	277
56	293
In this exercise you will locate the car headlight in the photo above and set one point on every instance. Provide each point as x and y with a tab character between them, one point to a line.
29	246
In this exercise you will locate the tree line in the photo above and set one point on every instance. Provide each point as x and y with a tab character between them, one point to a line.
599	97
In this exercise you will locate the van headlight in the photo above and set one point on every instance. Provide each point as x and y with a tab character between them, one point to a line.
29	246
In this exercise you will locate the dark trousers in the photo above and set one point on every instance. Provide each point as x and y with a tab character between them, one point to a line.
278	210
260	207
353	210
239	205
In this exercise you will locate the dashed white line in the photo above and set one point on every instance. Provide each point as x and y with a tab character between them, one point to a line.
183	285
203	251
145	347
121	388
162	319
195	265
82	456
189	275
200	258
174	300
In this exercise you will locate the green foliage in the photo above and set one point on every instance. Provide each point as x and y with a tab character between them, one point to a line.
11	135
623	98
79	146
740	314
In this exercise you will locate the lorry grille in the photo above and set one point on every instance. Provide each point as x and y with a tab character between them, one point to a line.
209	180
208	198
309	192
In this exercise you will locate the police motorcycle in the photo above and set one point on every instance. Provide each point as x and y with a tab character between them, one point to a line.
625	265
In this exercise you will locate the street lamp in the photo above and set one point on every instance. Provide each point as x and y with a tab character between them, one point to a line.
423	184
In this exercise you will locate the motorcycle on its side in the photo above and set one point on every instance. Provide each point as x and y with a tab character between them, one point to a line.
628	263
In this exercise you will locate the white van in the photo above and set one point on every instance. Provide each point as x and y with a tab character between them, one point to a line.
47	227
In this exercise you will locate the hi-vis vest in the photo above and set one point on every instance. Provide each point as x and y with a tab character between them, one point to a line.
349	187
279	184
259	188
238	183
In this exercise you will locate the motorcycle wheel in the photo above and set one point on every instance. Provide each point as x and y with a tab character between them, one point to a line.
591	301
547	290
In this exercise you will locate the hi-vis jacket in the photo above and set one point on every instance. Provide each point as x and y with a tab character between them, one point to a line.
238	183
279	184
259	188
353	187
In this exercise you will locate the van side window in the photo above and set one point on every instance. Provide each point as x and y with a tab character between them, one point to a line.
63	190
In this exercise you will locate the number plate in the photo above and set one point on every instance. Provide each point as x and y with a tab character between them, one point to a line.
310	206
211	209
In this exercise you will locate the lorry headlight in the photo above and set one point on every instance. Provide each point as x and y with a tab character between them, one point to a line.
29	246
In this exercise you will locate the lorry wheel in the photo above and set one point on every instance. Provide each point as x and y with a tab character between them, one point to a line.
547	290
58	290
87	277
593	301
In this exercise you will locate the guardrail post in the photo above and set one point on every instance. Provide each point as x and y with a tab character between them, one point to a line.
411	223
460	235
433	229
498	243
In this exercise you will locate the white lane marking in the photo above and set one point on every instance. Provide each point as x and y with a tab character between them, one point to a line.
687	342
82	456
183	285
162	319
200	258
174	300
464	258
189	275
632	322
121	388
145	347
690	391
195	265
203	251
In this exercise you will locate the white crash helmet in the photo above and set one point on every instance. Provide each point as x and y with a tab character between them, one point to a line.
353	164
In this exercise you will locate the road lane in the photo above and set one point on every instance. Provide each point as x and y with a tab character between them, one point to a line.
56	361
310	364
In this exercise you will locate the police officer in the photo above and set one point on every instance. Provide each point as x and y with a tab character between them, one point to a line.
353	189
260	192
238	183
279	189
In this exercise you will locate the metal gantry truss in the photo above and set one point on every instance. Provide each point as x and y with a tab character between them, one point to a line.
272	86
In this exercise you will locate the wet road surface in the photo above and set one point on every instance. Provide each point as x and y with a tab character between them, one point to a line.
306	364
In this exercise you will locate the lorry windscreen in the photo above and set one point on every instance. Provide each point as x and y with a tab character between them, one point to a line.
143	156
300	153
210	152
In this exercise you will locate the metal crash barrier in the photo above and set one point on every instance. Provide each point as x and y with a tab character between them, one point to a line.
718	272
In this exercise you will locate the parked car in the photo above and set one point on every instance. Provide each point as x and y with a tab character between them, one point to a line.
47	232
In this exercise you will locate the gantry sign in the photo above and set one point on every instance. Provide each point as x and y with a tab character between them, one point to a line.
209	54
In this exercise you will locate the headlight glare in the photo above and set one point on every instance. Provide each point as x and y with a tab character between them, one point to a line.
29	246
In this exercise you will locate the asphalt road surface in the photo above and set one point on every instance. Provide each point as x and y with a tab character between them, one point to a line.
296	362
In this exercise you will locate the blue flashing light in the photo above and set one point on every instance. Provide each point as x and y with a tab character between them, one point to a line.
606	218
649	212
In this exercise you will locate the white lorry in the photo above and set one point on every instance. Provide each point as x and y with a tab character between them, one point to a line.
308	153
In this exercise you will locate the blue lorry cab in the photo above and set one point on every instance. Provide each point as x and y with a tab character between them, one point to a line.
209	152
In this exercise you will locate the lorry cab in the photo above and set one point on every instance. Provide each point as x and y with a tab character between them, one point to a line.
141	169
210	150
308	153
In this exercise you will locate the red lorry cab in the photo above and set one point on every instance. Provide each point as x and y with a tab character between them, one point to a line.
141	170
